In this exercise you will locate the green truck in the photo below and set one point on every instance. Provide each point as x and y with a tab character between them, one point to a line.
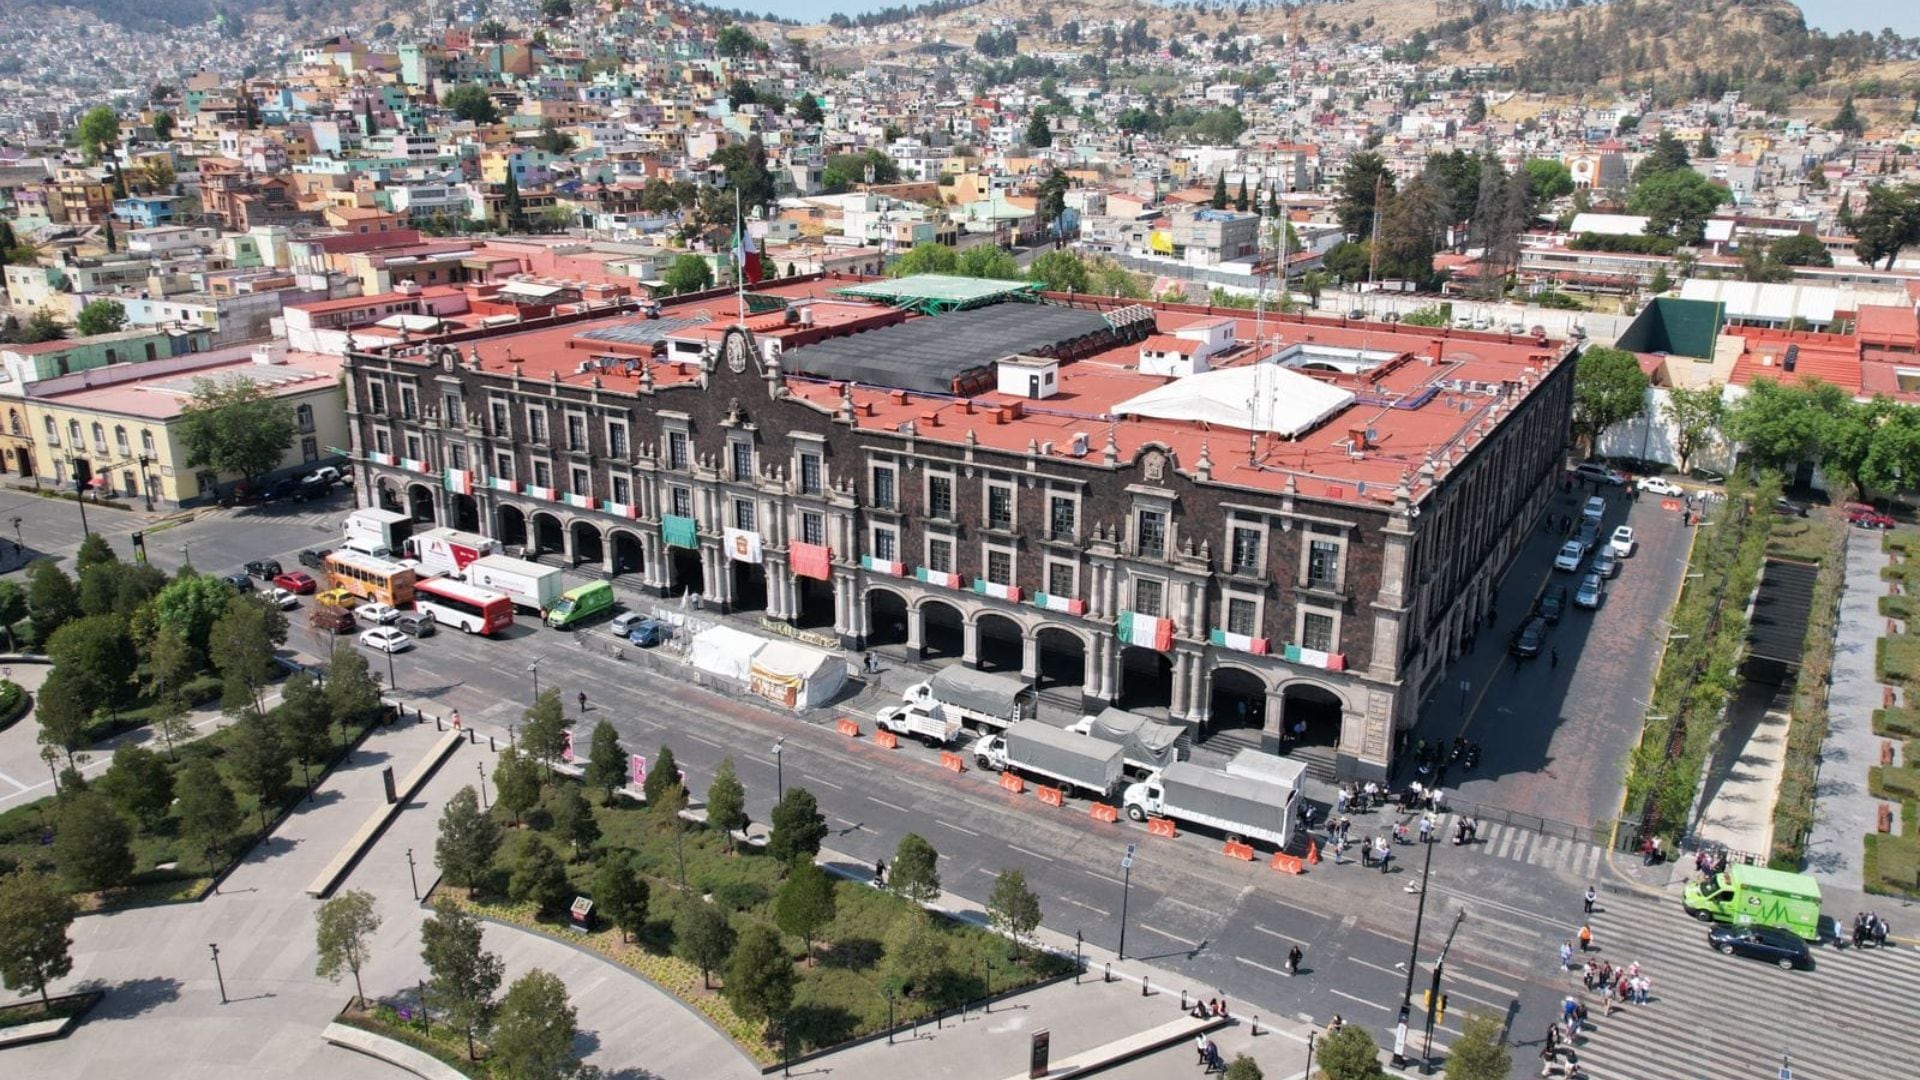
577	605
1756	896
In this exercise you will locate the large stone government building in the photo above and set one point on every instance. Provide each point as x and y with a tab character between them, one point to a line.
1244	523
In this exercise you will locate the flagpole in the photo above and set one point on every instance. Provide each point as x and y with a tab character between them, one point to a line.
740	256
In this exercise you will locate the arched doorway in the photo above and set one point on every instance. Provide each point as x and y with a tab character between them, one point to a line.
1062	657
463	512
816	603
941	633
587	546
997	642
1146	679
886	618
547	533
1309	716
388	494
1237	708
687	574
420	502
629	556
513	526
749	585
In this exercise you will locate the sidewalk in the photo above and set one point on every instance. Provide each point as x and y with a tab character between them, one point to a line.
1743	780
1843	810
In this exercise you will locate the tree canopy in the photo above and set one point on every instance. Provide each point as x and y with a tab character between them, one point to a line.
471	102
235	428
1608	388
100	317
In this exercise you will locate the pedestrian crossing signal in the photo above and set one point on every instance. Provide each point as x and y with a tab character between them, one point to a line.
1440	1013
1440	1017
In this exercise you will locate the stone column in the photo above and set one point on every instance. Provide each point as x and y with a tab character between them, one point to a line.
1182	675
1200	693
916	632
1030	658
970	643
1275	718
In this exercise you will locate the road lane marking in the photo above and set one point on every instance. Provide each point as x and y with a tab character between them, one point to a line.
11	780
1356	1000
824	783
1035	854
1190	907
1265	968
1103	912
1102	877
888	805
1189	942
701	739
1396	972
955	828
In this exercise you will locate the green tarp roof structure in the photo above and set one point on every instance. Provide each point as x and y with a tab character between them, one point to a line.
931	294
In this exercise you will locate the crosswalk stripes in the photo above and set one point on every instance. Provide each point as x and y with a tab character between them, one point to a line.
1712	1016
1578	858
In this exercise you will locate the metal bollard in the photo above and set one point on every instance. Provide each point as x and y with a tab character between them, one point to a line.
471	741
1183	1001
1143	986
492	745
1107	975
1256	1026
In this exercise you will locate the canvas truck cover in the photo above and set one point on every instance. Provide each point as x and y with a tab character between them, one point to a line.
794	676
1245	800
1142	739
1091	763
725	651
1270	767
981	691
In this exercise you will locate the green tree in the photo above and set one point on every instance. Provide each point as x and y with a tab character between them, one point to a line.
1219	200
471	102
99	128
352	694
94	551
1694	415
987	261
844	171
1888	222
916	954
1363	184
173	722
703	937
726	802
573	820
306	725
100	317
926	258
539	877
63	714
555	10
1677	204
1060	270
1608	388
760	974
35	915
621	894
734	42
42	325
52	599
462	976
1547	180
343	932
92	843
915	873
468	841
190	605
140	784
662	773
1800	249
96	655
242	643
1348	260
534	1029
1668	155
688	274
13	608
1039	134
1109	278
1847	121
1013	908
163	126
807	108
99	586
235	428
261	763
606	760
543	731
1241	201
516	783
805	903
1478	1053
1351	1054
798	827
209	814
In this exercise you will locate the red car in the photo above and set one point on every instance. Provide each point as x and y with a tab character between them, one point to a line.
296	582
1866	517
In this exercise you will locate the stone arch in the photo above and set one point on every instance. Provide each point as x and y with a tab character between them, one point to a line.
1321	706
1061	664
888	611
942	627
589	544
511	525
629	552
999	641
420	503
387	493
463	512
1237	699
546	532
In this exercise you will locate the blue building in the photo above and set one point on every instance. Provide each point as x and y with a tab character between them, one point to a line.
145	211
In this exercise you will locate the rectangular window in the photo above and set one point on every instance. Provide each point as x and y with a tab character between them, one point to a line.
622	489
886	544
1147	596
409	404
1323	563
743	514
452	405
617	440
309	451
1062	513
999	506
883	487
1246	550
413	446
536	424
1243	616
677	450
581	485
503	466
1316	631
813	527
576	432
1060	578
458	453
501	425
939	555
681	500
1151	533
376	398
810	474
940	498
542	474
383	442
742	460
999	566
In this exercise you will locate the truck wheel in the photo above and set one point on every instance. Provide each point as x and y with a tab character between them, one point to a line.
1136	813
1703	915
930	742
982	763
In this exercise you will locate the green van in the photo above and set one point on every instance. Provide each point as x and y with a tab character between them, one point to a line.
1754	895
577	605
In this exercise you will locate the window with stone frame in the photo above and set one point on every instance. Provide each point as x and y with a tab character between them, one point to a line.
1000	506
1061	578
677	452
409	403
810	482
450	402
382	442
1063	514
1150	533
502	425
503	466
413	446
744	516
536	424
885	493
999	566
681	501
376	397
1323	562
886	543
458	453
576	431
741	453
1248	540
579	482
542	474
939	497
622	489
1243	616
939	555
1316	631
1149	596
813	527
617	440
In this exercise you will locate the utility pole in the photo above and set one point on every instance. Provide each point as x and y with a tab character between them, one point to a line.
1413	959
1434	1000
1126	886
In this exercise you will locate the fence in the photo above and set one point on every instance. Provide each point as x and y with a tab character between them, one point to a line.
1619	834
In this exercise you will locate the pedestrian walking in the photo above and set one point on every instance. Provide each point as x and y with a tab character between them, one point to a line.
1590	898
1426	829
1586	937
583	703
1294	956
1566	955
1200	1045
456	719
1386	858
880	873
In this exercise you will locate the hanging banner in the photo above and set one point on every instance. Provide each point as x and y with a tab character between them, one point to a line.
1316	658
810	560
681	532
584	502
501	483
1255	645
625	510
998	592
881	566
1146	631
1065	604
935	577
742	545
459	481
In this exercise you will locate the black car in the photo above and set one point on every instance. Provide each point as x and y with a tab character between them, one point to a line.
239	581
279	490
315	558
1528	640
1768	943
310	490
1552	603
264	569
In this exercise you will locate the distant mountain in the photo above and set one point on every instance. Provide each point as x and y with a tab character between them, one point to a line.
160	14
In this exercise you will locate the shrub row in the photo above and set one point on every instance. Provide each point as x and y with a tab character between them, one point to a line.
1807	719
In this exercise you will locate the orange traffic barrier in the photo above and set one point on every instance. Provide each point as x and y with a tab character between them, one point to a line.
1669	504
952	762
1237	850
1160	826
1052	796
1313	853
1283	861
1012	783
885	739
1103	812
847	727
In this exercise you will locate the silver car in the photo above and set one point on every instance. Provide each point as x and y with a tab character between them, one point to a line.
1589	593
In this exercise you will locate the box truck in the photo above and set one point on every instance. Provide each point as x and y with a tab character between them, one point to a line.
580	603
448	552
529	585
1147	746
372	531
1033	748
935	727
976	698
1249	807
1756	896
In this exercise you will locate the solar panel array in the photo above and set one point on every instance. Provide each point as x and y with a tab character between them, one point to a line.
645	331
928	354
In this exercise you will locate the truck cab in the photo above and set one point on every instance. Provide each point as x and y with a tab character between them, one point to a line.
934	727
577	605
1757	896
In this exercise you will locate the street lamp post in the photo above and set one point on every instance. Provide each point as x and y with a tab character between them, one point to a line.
1413	958
1126	886
481	768
534	667
889	993
1433	998
411	876
1310	1038
779	770
218	977
186	556
393	682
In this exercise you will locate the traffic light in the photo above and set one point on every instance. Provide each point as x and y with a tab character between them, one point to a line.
1440	1017
140	547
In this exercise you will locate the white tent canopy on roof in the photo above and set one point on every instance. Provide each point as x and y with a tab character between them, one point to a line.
1257	397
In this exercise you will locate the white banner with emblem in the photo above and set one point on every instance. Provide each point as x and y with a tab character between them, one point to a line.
743	545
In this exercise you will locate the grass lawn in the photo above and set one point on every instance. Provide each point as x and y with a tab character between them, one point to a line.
1804	539
203	688
443	1043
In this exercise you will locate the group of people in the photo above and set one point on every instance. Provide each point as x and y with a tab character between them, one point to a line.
1359	798
1557	1046
1625	985
1869	927
1210	1060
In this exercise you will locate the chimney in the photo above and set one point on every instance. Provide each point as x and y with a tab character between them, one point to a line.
1357	438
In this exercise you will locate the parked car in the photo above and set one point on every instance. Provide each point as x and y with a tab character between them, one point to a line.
1711	476
624	623
325	474
1869	518
310	490
377	613
337	598
1782	947
296	582
1622	542
1788	507
337	620
386	639
315	558
1570	555
278	490
1588	534
1528	640
283	599
1552	603
239	581
1604	564
1597	473
417	623
649	632
263	569
1589	593
1659	485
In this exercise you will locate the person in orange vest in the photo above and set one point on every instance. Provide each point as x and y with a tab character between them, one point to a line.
1586	937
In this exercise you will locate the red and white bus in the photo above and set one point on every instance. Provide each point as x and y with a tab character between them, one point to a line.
468	607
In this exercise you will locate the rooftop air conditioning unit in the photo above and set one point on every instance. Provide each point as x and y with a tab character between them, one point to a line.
1079	444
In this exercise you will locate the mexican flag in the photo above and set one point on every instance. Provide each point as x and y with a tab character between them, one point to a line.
1146	631
745	255
1243	642
459	481
501	483
584	502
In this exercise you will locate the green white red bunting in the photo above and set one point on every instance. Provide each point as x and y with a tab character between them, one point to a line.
1146	631
413	464
379	458
546	493
998	592
459	481
1065	604
935	577
879	566
1255	645
625	510
1316	658
501	483
584	502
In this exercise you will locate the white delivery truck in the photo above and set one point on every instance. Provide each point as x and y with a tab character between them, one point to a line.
1236	804
1148	747
530	586
1034	748
448	552
380	533
975	698
935	727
